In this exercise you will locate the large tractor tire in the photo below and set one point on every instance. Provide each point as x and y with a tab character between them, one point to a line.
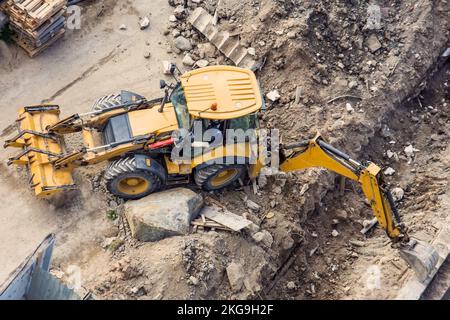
106	102
218	176
126	181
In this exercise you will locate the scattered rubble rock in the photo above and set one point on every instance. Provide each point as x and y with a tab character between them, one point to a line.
188	61
263	237
389	171
235	276
291	285
162	215
202	63
373	21
373	43
397	194
144	23
123	27
252	205
273	95
349	108
334	233
182	43
410	150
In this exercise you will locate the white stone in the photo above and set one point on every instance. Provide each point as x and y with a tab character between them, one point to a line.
334	233
349	108
188	61
202	63
409	150
273	95
389	171
397	194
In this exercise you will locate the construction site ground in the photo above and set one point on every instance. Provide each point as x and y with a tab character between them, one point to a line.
374	92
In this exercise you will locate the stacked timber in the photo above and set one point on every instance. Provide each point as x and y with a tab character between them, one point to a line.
37	24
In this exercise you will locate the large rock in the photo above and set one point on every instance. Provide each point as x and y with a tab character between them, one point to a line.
163	214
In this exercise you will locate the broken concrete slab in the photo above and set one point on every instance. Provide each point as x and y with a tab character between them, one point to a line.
226	218
163	214
223	40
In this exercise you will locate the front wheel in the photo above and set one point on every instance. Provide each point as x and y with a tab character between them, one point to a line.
124	180
215	177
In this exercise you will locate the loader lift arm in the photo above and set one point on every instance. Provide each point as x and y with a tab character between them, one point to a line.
317	153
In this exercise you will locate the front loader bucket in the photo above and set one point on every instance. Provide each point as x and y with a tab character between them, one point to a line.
421	257
40	149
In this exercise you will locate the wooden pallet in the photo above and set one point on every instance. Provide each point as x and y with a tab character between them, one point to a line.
33	13
33	51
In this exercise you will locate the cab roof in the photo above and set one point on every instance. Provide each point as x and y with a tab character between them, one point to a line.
221	92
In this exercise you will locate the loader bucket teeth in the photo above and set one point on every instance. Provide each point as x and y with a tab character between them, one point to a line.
40	150
421	257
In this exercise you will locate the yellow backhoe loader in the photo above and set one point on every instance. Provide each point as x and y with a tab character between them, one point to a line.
151	144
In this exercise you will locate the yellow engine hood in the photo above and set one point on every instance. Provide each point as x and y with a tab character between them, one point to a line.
234	92
148	121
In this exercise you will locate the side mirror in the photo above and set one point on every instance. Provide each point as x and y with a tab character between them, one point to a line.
162	84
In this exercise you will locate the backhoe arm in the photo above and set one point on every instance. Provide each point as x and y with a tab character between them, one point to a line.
317	153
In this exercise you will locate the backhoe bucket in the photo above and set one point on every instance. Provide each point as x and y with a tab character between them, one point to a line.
40	149
421	257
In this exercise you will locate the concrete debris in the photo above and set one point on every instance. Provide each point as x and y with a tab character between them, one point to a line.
235	276
163	214
410	150
188	61
334	233
291	285
349	108
373	17
263	237
251	51
373	44
389	154
173	18
123	27
389	171
357	243
252	205
397	194
273	95
144	23
202	63
193	280
368	225
182	44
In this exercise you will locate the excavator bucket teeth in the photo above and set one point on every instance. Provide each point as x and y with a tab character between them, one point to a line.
421	257
40	149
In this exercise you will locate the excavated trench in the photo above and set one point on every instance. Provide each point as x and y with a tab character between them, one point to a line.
421	120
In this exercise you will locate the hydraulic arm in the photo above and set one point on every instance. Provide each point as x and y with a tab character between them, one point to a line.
317	153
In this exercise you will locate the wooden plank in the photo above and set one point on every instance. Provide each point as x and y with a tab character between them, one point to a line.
225	218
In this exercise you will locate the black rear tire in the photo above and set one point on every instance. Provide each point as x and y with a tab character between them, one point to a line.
124	180
106	102
218	176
